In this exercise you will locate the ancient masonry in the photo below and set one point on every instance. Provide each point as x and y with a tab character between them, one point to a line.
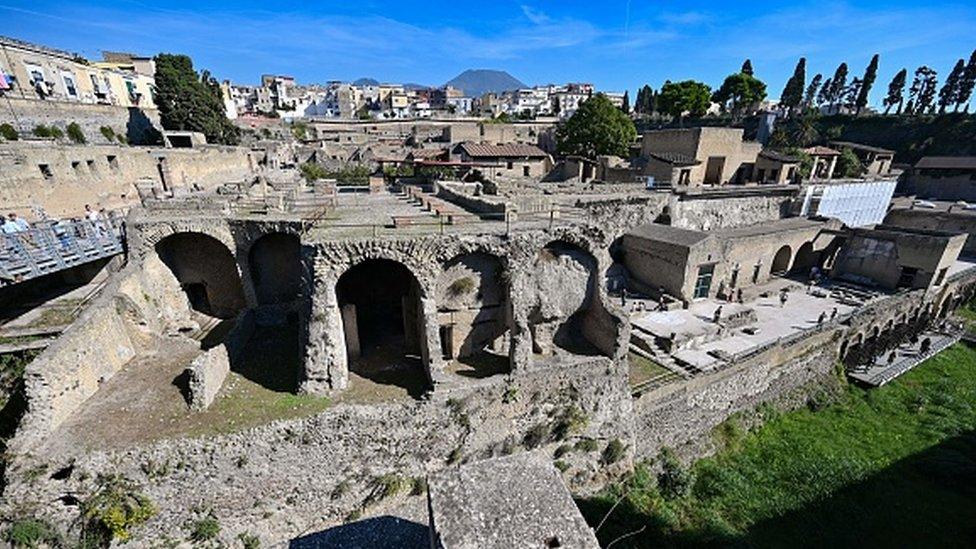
535	295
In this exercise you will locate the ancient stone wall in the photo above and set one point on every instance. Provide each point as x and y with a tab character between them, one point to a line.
134	124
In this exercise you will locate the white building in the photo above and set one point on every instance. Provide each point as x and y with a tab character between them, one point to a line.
856	203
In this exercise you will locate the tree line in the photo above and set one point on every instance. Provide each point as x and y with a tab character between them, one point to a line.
742	92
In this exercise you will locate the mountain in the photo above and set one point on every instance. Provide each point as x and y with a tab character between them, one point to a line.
476	82
366	82
414	86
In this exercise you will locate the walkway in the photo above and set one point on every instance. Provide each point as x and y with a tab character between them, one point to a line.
50	247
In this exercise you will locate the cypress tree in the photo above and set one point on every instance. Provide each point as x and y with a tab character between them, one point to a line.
870	75
949	94
626	104
793	92
896	91
837	84
967	82
811	96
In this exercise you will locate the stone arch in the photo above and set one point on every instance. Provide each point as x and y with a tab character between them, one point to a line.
563	292
806	259
473	314
384	325
206	271
781	261
664	218
275	265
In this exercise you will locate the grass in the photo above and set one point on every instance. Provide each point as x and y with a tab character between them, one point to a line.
643	369
894	466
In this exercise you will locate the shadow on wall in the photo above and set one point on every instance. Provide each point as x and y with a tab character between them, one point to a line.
383	532
139	130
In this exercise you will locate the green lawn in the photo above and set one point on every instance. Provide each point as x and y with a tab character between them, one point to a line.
889	467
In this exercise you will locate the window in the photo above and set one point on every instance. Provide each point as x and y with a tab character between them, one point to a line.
704	281
907	277
113	161
91	166
69	84
773	174
509	165
525	171
76	166
761	175
45	171
36	74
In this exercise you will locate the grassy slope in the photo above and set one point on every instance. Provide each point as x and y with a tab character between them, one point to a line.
894	466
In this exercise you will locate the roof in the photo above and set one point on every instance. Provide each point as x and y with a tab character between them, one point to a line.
779	157
426	153
675	159
947	162
820	150
775	226
862	147
482	150
668	234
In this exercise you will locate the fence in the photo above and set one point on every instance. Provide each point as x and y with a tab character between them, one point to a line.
51	246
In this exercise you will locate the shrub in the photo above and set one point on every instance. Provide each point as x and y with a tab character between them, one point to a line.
108	133
113	510
572	420
419	486
536	435
587	445
32	533
8	132
122	139
41	130
205	529
674	480
614	452
561	465
386	486
299	130
249	541
562	451
75	134
312	171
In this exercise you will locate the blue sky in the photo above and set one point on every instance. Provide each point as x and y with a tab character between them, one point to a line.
615	44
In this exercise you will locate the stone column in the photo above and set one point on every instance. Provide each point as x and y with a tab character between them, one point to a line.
430	338
326	362
520	335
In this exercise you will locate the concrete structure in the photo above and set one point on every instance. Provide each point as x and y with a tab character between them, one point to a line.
893	257
206	375
507	502
941	178
515	160
702	156
824	161
952	218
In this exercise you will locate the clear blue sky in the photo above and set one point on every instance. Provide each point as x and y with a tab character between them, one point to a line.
615	44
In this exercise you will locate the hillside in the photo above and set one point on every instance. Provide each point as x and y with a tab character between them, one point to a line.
476	82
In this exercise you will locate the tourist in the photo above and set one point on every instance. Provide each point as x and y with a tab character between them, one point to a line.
20	222
833	314
718	315
782	297
821	318
738	296
10	224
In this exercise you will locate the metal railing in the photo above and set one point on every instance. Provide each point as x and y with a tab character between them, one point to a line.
51	246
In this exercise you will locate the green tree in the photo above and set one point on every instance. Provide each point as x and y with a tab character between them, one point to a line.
870	75
823	96
626	103
75	134
747	68
949	94
896	91
191	102
922	92
810	98
8	132
838	83
848	164
793	91
596	128
740	92
967	82
678	98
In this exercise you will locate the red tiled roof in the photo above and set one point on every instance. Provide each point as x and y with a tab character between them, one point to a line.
481	150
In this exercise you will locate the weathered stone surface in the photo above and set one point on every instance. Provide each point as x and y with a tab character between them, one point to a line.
515	501
205	375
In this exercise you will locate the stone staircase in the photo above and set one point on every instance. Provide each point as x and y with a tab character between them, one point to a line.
642	343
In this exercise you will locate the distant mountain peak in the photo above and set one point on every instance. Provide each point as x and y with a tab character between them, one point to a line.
366	82
476	82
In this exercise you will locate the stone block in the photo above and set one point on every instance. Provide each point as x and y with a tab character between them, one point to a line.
206	374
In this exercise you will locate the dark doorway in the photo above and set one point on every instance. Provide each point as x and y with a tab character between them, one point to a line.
207	272
713	170
275	263
781	261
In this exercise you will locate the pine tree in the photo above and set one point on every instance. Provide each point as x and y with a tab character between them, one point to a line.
896	90
739	93
793	92
851	94
967	82
949	94
837	85
188	101
747	68
626	103
870	75
811	96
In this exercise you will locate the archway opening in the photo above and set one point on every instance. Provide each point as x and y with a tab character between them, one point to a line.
565	287
781	261
206	271
382	318
806	259
472	310
275	262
